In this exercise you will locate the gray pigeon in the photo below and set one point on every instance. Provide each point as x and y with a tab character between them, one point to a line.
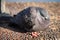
32	19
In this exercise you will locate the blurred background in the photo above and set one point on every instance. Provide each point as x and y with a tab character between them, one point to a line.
12	7
32	0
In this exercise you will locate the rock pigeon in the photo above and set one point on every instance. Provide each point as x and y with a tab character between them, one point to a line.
32	19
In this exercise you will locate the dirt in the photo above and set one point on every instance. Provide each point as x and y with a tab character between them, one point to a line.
51	33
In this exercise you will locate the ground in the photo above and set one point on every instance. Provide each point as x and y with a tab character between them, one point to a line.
51	33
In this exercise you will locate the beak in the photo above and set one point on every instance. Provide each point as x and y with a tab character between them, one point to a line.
46	18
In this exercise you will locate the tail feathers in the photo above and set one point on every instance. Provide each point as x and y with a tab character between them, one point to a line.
5	19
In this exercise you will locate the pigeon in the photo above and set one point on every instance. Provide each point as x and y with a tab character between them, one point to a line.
32	19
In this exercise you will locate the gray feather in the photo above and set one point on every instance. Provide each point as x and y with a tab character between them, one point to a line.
33	18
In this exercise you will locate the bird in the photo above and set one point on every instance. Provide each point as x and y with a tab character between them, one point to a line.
32	19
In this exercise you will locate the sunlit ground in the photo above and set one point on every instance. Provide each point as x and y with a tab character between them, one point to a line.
51	33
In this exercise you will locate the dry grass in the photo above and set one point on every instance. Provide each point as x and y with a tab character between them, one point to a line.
52	33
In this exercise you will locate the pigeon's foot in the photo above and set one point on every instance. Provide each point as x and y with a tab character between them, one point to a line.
35	34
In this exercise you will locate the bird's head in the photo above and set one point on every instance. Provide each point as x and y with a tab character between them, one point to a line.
40	18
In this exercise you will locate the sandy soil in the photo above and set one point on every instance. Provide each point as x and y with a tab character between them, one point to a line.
51	33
